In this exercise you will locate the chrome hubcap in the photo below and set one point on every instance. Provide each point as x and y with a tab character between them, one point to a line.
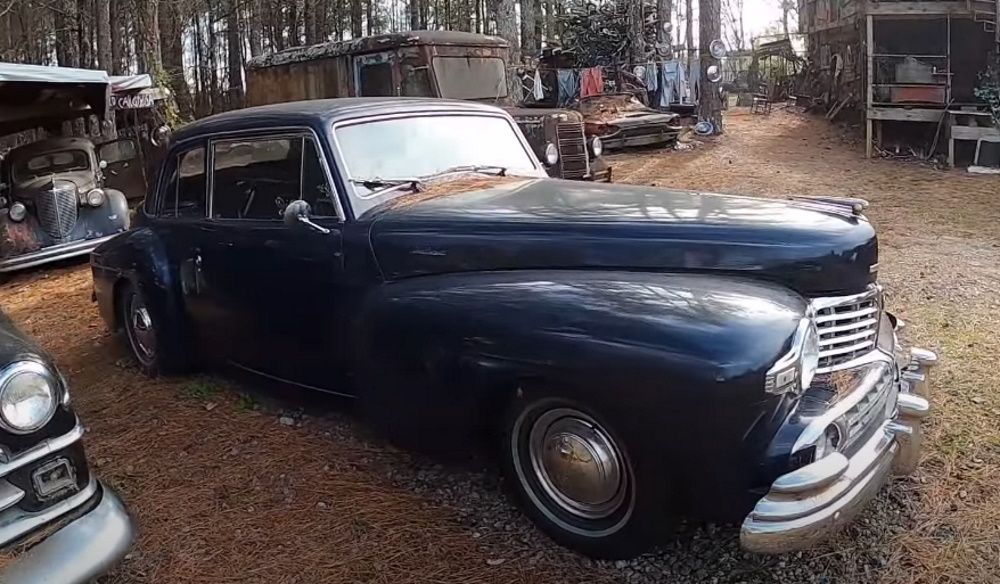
577	464
141	328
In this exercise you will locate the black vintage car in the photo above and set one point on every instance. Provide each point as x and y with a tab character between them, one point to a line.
641	355
58	523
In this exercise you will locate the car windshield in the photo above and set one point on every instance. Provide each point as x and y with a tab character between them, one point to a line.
382	153
471	77
50	163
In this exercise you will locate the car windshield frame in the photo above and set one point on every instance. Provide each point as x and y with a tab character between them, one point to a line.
363	201
20	165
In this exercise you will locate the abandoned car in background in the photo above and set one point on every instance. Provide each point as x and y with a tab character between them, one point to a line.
58	523
622	121
449	64
54	199
641	355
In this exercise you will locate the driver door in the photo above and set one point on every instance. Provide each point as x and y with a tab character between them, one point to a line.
272	289
124	171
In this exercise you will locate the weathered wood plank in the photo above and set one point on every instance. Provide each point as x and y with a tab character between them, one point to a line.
899	114
876	8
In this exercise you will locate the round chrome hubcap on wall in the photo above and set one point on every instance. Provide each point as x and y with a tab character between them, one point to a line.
140	328
577	464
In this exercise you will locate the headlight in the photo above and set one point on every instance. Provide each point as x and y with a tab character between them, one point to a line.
17	212
596	146
829	442
794	371
27	396
95	197
551	154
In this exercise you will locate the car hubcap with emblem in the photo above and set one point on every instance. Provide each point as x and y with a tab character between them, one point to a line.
141	331
573	469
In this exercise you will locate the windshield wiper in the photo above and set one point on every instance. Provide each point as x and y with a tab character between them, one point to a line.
384	184
480	168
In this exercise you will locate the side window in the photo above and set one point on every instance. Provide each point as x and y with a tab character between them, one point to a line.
183	190
256	178
375	80
191	185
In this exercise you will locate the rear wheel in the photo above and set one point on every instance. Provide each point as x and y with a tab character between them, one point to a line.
574	476
150	347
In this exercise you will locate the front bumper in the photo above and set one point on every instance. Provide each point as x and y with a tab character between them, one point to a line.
51	254
812	503
83	549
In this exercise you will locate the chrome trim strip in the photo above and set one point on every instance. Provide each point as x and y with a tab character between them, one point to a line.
9	495
845	350
789	359
846	338
51	254
829	330
42	449
15	524
846	315
831	301
813	476
818	424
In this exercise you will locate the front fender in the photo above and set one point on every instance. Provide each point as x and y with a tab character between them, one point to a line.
680	357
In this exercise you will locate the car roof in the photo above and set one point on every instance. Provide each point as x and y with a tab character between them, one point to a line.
373	43
321	112
56	143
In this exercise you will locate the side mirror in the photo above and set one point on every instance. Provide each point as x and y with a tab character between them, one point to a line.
297	213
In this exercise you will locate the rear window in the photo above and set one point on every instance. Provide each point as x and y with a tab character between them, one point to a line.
471	77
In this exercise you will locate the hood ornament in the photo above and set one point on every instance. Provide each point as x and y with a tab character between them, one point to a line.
855	205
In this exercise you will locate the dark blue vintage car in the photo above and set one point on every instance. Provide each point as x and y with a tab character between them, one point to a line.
641	355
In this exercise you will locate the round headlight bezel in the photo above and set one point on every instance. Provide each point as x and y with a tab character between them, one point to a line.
95	197
551	154
17	212
17	370
596	146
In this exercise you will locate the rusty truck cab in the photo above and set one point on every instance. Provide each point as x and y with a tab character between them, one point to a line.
447	64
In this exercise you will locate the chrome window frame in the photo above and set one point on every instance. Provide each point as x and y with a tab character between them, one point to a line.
351	191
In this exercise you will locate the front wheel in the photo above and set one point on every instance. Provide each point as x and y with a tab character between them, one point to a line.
574	476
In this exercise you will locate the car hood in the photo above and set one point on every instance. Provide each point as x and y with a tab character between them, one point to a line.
554	224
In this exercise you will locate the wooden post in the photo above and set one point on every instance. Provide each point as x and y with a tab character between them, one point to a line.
870	50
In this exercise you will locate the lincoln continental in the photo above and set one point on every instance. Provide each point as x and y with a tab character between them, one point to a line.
638	356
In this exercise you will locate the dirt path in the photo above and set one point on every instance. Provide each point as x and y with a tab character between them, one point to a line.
224	492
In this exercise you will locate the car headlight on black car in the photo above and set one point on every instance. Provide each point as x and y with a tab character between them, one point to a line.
28	396
794	372
17	212
95	197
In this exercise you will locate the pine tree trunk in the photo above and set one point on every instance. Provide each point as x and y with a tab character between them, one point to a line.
64	17
505	16
550	20
171	39
665	14
635	31
103	26
529	43
356	19
234	54
709	29
689	34
149	37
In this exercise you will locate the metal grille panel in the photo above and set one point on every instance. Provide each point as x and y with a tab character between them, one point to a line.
847	330
57	210
572	150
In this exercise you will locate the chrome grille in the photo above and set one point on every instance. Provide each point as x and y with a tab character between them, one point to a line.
572	144
57	209
872	409
848	328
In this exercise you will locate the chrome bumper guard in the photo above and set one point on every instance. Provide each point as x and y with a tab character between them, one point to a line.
812	503
51	254
80	551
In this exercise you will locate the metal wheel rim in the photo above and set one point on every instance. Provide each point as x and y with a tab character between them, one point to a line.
141	330
577	464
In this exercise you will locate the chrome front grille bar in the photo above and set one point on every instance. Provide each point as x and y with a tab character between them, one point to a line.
848	327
